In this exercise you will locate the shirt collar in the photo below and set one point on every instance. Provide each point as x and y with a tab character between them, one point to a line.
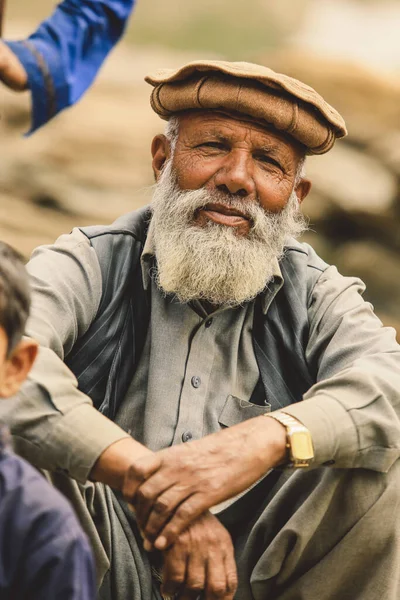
273	287
147	263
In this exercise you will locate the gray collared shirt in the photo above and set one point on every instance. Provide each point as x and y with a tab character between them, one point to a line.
351	416
197	371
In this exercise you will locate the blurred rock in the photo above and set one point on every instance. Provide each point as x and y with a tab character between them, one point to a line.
352	180
387	148
317	206
377	266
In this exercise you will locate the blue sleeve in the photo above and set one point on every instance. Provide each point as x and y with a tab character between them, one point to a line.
64	55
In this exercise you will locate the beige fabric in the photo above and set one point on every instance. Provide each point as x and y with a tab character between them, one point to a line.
253	91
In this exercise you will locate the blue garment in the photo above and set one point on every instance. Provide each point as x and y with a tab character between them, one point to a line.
44	554
64	55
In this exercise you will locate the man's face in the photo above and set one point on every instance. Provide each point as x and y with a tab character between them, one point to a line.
235	157
224	204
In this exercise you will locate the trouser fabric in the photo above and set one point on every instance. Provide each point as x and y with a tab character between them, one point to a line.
318	534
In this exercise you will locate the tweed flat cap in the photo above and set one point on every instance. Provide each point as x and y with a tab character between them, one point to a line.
253	91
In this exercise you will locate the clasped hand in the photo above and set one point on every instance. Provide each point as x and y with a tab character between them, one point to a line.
173	490
182	482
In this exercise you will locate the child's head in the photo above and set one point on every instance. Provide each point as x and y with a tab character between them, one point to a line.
16	355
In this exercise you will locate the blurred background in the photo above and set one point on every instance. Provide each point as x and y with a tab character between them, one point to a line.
93	162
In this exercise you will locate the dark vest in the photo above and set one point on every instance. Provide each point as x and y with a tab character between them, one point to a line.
104	359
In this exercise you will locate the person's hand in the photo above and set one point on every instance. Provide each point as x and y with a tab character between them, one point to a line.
201	561
182	482
114	466
12	73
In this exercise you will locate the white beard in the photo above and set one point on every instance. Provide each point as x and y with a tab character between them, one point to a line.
212	263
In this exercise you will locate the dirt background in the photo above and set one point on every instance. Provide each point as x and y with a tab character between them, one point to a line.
92	163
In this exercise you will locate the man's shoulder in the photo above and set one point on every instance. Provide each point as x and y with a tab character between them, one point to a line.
133	224
119	246
301	269
301	253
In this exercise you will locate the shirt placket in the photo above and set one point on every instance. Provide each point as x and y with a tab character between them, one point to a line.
196	382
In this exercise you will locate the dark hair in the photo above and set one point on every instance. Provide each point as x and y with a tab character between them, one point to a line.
14	295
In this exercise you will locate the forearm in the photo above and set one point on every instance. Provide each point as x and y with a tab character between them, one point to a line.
112	465
63	56
353	409
192	478
65	433
258	443
353	417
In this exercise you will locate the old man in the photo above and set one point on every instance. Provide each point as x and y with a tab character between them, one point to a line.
197	359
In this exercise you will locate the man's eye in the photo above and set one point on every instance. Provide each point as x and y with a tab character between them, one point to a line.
264	158
217	145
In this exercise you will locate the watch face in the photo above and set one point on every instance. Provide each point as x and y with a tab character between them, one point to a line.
301	444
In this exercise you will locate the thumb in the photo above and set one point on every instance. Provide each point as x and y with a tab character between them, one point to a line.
12	72
138	472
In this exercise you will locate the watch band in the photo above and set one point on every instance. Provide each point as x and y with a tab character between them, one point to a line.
298	440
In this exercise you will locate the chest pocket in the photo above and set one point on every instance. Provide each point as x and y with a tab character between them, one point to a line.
236	411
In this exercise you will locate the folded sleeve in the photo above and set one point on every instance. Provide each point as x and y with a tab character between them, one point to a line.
64	55
55	425
353	409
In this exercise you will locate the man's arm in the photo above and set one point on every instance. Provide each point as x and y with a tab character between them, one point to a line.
61	59
352	413
54	425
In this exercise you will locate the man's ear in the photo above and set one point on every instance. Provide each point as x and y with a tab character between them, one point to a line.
17	366
160	151
302	189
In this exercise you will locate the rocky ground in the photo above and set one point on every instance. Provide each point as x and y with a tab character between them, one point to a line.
92	164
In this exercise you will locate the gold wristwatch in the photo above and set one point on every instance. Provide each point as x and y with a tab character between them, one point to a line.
298	440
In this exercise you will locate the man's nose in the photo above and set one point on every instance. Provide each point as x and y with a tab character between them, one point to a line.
236	175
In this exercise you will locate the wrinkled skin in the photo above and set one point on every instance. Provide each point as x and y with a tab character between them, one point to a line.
182	482
201	559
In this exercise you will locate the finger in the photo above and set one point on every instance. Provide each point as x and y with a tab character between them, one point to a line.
184	515
216	584
145	499
174	569
231	573
12	72
195	579
137	473
162	510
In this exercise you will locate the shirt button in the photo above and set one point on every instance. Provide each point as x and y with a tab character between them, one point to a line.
208	323
196	381
187	436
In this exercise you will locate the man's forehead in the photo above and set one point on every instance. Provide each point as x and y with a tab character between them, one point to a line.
221	123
